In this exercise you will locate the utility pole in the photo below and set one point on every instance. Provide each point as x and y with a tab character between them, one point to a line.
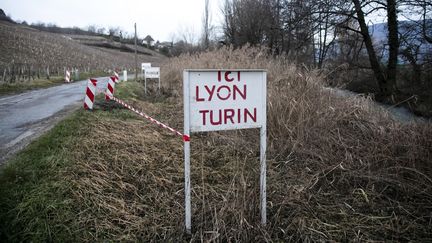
136	58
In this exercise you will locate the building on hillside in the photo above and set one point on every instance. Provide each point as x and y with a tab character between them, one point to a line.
167	44
148	40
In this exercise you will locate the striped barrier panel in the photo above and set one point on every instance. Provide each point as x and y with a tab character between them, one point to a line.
90	94
117	77
67	76
110	87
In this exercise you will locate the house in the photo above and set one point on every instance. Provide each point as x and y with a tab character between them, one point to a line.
148	40
167	44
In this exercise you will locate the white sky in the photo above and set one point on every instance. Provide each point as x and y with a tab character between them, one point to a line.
158	18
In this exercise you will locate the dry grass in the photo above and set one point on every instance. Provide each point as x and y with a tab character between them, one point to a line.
339	169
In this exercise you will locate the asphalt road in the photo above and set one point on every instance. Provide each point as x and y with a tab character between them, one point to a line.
26	116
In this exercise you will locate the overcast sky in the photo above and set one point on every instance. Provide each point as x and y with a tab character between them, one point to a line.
158	18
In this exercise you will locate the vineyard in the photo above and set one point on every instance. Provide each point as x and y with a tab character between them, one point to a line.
29	54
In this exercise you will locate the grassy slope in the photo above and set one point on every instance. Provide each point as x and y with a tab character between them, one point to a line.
34	84
35	192
338	169
6	89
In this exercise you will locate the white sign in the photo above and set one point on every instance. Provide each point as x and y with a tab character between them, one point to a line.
152	72
216	100
145	65
225	100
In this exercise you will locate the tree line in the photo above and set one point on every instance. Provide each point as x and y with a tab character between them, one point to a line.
324	32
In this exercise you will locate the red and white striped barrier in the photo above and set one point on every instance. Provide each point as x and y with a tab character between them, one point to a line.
117	77
67	76
186	138
90	94
110	87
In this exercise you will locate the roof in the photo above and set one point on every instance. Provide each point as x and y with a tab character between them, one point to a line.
148	38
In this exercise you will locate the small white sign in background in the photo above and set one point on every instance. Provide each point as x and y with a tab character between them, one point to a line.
151	73
145	65
217	100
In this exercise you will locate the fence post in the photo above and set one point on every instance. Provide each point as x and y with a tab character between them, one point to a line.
12	79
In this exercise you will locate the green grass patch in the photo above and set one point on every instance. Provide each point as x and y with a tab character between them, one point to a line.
42	83
30	85
35	192
92	74
130	90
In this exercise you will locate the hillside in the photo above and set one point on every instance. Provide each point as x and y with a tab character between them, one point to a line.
410	37
24	45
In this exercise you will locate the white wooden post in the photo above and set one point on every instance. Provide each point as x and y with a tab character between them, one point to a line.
188	223
263	163
145	83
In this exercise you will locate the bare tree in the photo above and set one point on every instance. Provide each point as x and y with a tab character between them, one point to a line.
393	42
386	80
246	21
350	45
101	31
92	28
206	25
229	25
307	31
297	24
427	26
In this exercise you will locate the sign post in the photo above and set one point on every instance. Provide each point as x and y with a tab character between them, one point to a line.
186	132
145	65
124	75
217	100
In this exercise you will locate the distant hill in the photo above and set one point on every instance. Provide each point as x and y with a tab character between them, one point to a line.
61	30
410	35
3	17
23	44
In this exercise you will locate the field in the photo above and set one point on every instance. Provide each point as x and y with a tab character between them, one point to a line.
339	169
28	54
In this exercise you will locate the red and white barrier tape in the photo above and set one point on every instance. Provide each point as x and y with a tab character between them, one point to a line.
185	137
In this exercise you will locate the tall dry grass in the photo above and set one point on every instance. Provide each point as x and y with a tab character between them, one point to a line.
340	168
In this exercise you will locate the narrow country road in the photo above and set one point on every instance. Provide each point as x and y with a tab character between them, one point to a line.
25	116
